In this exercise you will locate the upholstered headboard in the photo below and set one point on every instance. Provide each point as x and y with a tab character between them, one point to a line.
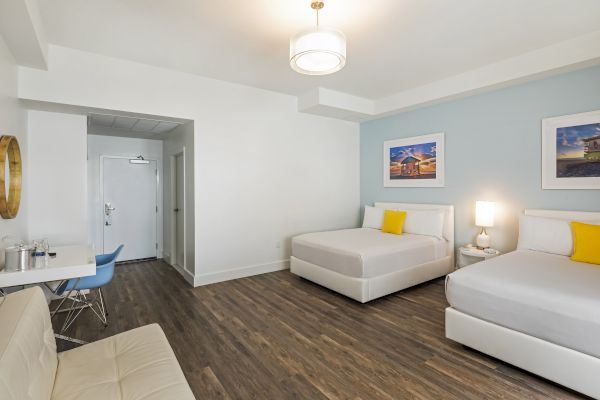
567	215
448	217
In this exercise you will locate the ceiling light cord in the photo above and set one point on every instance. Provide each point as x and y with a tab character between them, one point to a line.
317	5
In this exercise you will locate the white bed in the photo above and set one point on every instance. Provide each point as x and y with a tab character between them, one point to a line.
365	263
538	311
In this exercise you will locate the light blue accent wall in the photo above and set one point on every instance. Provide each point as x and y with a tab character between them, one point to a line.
493	152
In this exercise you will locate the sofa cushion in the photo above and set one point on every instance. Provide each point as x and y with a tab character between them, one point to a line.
134	365
28	358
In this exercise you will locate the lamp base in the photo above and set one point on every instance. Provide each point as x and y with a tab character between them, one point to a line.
483	240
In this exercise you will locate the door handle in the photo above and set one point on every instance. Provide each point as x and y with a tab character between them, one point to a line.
176	210
108	209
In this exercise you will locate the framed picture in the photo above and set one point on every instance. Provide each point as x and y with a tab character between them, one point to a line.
414	162
571	151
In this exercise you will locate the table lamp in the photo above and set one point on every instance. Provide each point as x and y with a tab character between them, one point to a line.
484	217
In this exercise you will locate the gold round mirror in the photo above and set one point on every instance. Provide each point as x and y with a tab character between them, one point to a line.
10	182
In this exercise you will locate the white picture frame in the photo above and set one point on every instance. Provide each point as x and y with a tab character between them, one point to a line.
416	161
567	162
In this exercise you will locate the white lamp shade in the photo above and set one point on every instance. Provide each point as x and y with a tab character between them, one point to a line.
484	213
319	51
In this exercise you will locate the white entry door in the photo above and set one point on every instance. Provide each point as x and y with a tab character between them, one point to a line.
129	207
179	211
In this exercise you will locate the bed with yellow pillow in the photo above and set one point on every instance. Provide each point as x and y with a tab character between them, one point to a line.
537	307
406	247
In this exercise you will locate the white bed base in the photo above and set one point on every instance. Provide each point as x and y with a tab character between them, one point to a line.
570	368
367	289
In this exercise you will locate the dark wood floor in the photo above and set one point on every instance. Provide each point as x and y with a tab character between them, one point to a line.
276	336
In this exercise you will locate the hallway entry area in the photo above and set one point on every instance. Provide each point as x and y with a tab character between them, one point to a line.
138	176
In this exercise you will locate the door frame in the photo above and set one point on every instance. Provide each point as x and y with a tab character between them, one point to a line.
173	197
101	194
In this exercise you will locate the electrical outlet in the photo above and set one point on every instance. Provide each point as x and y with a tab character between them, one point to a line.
278	245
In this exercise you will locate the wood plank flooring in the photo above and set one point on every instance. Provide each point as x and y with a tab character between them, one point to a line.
277	336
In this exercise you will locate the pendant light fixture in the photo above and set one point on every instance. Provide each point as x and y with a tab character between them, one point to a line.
318	51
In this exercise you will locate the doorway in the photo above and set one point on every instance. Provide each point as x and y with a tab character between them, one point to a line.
130	206
150	208
178	257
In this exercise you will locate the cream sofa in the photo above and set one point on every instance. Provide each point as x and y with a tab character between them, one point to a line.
138	364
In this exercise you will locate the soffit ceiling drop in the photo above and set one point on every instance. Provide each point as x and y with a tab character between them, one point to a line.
117	125
393	45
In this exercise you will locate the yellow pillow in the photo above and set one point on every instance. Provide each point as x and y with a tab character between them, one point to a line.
393	221
586	243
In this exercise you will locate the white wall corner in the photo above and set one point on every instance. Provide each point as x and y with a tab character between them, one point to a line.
334	104
242	272
22	29
569	55
308	99
187	275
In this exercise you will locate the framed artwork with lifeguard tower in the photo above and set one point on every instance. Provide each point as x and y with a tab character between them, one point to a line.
571	151
414	162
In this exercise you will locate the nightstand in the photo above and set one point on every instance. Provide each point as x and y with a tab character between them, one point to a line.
471	255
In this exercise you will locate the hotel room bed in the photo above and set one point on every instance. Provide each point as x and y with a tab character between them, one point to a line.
366	252
544	295
536	310
365	263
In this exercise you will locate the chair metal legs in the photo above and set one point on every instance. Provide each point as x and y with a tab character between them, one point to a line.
64	296
103	303
79	302
77	306
100	310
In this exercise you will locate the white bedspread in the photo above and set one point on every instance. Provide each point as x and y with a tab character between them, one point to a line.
543	295
366	252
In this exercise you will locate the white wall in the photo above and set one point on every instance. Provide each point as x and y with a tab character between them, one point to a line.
12	122
57	199
178	141
265	175
124	147
507	124
263	171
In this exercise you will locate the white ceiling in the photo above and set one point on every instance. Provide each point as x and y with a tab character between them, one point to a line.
393	45
119	125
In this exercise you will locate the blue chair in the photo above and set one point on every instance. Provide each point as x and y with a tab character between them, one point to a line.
105	269
102	259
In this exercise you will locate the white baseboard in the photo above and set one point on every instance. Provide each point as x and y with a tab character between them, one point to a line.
236	273
187	275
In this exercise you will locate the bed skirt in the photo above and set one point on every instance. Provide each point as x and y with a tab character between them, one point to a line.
367	289
559	364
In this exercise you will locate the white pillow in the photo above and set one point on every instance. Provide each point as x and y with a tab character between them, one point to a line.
548	235
373	217
426	222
